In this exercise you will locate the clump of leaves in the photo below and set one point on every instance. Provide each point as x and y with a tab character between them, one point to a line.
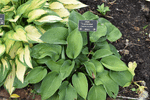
102	9
25	22
73	71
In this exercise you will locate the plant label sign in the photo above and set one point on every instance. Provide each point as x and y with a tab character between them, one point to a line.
2	18
87	25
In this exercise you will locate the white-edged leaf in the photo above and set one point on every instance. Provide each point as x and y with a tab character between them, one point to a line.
8	84
80	84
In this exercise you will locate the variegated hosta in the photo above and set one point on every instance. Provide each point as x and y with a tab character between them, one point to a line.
25	22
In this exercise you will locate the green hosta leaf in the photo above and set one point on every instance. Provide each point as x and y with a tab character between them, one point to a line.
5	2
67	68
102	45
4	69
2	49
114	63
90	16
52	65
75	17
67	91
102	53
36	75
44	49
72	26
50	84
99	67
101	31
55	96
21	69
114	51
18	84
80	84
121	77
47	19
113	33
75	43
90	68
110	86
57	35
8	84
33	34
97	93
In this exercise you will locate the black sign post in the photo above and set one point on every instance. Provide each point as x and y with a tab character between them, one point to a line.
87	26
2	19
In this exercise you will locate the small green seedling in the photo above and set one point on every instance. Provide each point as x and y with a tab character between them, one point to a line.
102	9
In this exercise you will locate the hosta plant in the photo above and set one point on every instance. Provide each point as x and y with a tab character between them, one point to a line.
68	70
25	22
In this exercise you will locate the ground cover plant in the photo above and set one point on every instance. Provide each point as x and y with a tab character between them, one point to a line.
55	57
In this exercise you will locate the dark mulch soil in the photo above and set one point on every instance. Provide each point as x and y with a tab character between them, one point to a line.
130	16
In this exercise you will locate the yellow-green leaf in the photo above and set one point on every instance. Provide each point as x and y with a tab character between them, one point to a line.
9	43
21	68
69	1
2	49
56	5
14	49
5	2
21	33
62	12
48	19
27	56
34	4
14	96
35	14
8	84
75	6
33	34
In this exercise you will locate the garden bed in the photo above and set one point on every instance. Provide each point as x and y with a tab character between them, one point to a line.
132	18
